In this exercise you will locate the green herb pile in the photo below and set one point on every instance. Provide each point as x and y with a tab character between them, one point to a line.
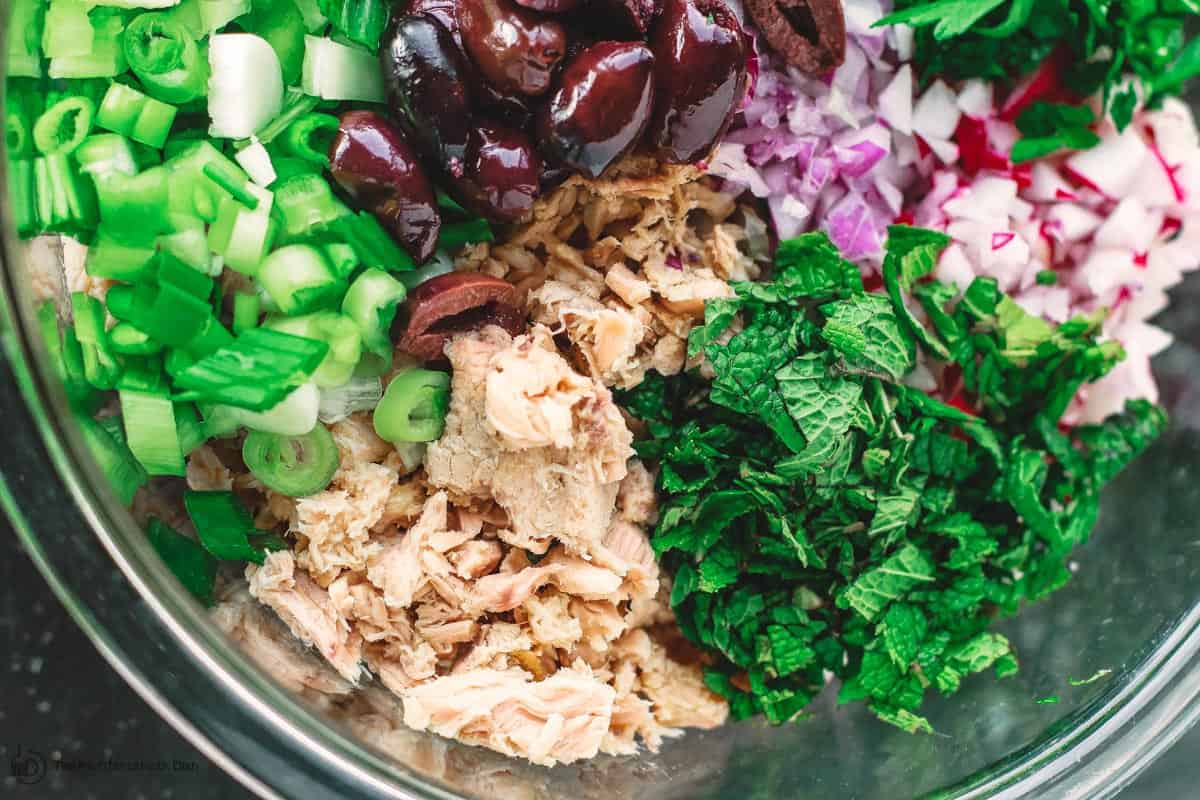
1101	40
820	515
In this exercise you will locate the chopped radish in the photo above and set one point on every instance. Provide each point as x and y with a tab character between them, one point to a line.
1113	165
976	98
936	114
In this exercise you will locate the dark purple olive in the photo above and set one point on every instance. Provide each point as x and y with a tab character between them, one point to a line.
699	78
427	82
454	303
372	162
444	11
635	16
516	49
549	6
502	174
601	107
514	110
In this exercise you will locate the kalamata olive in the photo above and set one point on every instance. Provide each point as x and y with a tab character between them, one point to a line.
635	16
699	77
503	168
516	49
444	11
809	34
513	109
601	107
455	303
427	84
549	6
372	162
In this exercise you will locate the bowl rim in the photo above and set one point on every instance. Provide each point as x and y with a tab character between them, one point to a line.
250	726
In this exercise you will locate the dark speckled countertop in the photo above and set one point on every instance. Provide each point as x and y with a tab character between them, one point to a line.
61	702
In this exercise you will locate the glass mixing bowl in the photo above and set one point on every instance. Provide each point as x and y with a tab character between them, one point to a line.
1129	620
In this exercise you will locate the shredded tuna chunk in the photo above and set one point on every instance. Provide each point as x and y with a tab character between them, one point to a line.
624	263
561	719
336	523
563	489
308	611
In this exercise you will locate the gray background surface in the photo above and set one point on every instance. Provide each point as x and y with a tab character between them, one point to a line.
61	701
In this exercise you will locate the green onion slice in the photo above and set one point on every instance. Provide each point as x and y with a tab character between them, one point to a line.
414	407
296	466
64	126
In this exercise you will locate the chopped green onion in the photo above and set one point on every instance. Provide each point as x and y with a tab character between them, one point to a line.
233	181
246	310
337	331
24	31
117	259
68	30
24	103
190	563
334	71
66	203
116	462
241	237
173	272
360	21
22	197
64	126
306	203
121	301
150	431
371	302
105	58
310	137
104	153
255	159
295	105
458	234
341	257
413	408
281	24
169	314
127	340
190	426
127	111
223	525
296	466
143	374
216	14
299	279
314	17
99	363
66	356
188	242
187	14
135	205
212	337
166	58
294	415
192	190
246	88
257	370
